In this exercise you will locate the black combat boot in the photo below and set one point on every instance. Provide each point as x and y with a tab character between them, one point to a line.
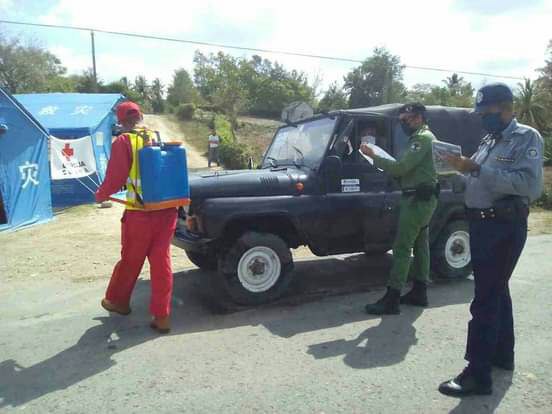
387	305
417	296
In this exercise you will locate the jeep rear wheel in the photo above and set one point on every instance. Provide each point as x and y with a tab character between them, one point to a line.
450	255
256	269
203	260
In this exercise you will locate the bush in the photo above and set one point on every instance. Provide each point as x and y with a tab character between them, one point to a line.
234	156
548	150
224	129
185	112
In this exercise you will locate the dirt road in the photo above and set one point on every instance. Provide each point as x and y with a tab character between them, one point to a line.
171	132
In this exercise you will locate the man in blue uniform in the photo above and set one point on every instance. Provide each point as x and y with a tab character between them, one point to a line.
502	178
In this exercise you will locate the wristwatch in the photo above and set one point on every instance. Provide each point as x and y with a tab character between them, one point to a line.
475	173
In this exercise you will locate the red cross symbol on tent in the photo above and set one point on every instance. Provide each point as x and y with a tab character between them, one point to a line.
67	151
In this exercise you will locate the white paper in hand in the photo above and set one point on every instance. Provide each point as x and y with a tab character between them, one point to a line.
378	151
440	151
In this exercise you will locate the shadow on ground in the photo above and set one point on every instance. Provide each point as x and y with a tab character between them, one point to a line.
320	297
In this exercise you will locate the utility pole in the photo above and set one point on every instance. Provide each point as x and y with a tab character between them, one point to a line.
94	63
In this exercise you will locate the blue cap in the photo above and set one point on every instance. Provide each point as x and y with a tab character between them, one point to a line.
492	94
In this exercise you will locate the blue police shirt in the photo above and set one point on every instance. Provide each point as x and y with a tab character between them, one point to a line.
511	166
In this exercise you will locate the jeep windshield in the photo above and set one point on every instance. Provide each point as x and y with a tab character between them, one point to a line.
301	144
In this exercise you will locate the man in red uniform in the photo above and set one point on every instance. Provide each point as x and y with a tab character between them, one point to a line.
143	233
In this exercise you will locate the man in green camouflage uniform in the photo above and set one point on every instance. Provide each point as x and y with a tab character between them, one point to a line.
418	181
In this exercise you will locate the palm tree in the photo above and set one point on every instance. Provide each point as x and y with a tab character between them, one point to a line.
454	83
529	104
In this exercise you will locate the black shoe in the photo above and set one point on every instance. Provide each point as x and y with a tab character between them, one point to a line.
505	364
417	296
387	305
465	384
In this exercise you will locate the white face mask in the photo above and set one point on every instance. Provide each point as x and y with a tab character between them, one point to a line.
368	139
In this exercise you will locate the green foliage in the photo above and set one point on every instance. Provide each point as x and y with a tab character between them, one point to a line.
157	102
334	98
271	87
257	86
233	154
182	89
28	68
185	112
376	81
224	129
121	86
60	84
219	81
456	92
85	83
548	150
530	105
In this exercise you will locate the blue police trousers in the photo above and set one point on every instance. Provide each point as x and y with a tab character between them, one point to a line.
496	245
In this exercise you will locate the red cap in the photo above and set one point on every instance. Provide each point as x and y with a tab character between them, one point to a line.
127	108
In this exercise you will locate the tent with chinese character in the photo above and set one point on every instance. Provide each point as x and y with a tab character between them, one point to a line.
80	125
25	197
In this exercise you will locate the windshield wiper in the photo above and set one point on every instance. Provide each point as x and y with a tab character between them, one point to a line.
301	154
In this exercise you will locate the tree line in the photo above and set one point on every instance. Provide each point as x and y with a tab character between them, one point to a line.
233	85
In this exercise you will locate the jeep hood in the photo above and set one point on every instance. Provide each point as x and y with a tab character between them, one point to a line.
244	183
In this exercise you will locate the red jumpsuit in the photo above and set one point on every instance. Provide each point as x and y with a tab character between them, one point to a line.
143	234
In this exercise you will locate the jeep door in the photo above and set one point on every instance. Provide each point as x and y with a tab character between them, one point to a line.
356	199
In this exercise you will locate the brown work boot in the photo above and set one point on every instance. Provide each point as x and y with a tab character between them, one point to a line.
161	325
112	307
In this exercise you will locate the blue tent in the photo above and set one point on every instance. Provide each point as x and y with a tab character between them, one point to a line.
71	116
24	170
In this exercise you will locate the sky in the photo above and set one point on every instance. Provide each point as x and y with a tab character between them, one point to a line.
501	37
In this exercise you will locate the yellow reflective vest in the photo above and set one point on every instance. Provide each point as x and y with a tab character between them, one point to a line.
139	138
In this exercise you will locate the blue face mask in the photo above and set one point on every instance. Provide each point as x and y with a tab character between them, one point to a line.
492	122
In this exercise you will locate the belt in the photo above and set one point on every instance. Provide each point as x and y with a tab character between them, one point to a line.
422	192
504	213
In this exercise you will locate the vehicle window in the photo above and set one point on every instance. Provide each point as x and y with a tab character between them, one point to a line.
303	144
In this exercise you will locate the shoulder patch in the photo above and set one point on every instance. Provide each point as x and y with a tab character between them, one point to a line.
416	146
532	153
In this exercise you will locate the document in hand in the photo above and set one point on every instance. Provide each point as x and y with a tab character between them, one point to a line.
380	152
440	151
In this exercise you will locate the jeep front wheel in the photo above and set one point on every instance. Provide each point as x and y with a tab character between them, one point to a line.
256	269
450	255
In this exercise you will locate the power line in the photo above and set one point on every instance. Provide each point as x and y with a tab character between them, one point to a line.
249	49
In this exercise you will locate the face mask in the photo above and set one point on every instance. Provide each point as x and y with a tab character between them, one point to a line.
368	139
407	129
492	122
